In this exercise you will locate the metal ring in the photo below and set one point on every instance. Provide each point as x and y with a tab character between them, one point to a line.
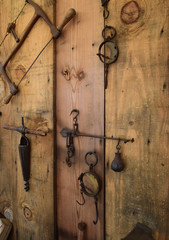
112	35
118	147
102	57
96	158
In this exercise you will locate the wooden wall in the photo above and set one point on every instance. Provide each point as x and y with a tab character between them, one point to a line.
82	89
32	211
135	105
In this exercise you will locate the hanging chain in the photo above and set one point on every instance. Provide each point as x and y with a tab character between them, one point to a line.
14	23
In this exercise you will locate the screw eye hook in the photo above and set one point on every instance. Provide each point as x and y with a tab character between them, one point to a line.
77	113
82	198
118	145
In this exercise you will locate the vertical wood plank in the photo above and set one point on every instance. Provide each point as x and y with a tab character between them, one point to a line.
83	90
32	211
137	106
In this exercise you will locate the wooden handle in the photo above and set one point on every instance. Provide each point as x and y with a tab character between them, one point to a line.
7	99
69	15
81	231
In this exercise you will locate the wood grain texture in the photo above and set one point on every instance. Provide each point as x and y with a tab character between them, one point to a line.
81	88
32	211
137	106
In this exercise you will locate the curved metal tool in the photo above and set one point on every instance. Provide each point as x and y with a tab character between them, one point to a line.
55	31
90	183
24	149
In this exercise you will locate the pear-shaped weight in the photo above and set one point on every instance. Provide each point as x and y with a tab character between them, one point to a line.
117	164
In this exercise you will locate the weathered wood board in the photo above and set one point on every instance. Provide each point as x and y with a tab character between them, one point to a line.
69	75
137	106
32	212
79	85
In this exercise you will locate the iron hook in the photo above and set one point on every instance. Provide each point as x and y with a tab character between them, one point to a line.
77	113
82	198
95	200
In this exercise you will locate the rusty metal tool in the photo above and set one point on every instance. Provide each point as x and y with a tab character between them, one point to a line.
24	149
69	134
55	31
108	50
90	183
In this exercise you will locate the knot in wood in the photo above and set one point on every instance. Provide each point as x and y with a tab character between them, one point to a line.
130	12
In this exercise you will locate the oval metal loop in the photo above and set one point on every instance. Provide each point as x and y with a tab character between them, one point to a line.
112	32
96	159
114	52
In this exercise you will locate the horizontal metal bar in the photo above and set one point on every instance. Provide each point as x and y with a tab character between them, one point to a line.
64	132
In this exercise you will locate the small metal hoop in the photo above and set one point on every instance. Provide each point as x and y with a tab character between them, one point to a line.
118	147
109	28
96	159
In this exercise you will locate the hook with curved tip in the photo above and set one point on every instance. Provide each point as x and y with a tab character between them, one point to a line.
81	204
77	113
95	200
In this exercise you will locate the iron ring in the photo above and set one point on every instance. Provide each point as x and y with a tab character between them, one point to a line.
96	158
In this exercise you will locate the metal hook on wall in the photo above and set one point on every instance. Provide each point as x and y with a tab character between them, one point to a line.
106	11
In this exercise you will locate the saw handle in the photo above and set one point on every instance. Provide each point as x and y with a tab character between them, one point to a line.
7	99
69	15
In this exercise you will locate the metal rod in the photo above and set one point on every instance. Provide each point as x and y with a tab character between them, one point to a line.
104	137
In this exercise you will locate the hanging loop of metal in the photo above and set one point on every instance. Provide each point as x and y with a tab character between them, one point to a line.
92	164
105	11
108	50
